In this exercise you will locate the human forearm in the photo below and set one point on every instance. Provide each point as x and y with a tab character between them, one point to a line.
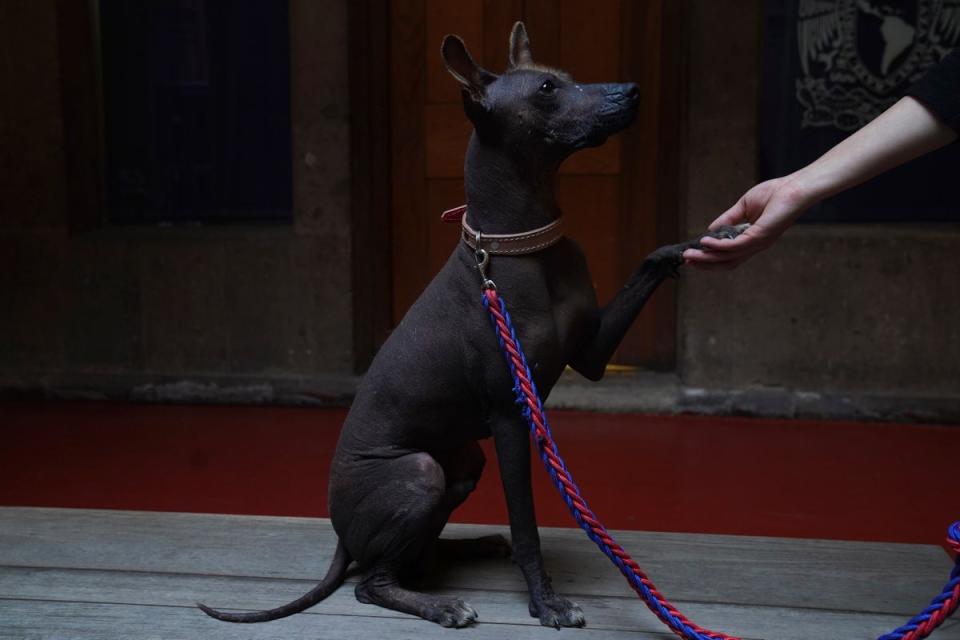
910	128
903	132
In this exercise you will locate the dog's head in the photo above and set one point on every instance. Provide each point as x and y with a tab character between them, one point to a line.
533	109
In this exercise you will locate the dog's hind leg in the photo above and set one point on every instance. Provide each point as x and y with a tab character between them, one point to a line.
382	587
403	517
463	469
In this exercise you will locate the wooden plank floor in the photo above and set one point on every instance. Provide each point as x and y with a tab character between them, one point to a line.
120	574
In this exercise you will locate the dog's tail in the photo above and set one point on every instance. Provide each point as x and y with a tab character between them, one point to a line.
333	579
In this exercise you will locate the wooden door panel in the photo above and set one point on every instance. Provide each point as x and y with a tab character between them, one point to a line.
542	18
442	194
448	132
590	40
407	140
587	202
498	19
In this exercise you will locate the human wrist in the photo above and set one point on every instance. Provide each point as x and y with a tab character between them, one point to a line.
799	191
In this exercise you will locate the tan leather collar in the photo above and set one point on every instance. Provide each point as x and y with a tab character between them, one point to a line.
514	244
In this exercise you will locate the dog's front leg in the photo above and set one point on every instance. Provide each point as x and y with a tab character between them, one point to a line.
513	455
615	319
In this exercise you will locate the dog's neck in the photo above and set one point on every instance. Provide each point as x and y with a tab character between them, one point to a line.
506	194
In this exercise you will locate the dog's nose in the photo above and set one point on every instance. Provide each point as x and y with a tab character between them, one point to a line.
626	93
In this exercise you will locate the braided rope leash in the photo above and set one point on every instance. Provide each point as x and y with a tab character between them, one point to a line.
940	608
532	408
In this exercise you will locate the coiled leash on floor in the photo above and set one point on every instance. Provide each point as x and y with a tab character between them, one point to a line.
920	626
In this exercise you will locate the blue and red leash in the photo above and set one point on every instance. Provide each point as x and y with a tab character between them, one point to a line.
920	626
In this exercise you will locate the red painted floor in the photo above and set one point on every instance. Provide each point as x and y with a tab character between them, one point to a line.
844	480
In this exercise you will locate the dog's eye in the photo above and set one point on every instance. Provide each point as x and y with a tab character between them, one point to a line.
548	87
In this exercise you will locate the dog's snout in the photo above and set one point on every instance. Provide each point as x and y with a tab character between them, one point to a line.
625	94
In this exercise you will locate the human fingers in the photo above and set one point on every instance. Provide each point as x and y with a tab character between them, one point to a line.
728	244
752	235
749	207
726	265
732	216
707	256
698	257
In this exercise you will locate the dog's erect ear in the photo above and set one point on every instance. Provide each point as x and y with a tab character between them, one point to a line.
471	76
519	46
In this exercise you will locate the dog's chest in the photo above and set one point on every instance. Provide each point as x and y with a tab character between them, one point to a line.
573	303
573	312
552	325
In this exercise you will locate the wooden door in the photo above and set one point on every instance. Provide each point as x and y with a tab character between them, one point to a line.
620	201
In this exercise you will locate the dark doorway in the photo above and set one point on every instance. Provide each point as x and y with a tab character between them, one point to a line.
196	110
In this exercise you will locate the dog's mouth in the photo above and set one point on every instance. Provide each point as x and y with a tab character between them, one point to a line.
593	140
609	123
617	111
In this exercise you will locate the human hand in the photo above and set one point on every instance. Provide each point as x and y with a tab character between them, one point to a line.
770	207
903	132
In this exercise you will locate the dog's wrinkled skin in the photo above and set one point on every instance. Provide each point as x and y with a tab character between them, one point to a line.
408	452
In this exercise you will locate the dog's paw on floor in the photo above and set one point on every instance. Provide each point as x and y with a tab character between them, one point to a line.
556	611
452	612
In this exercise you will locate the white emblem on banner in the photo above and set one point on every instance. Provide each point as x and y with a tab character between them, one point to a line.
857	57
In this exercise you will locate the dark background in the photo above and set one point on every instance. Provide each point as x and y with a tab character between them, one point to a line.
196	110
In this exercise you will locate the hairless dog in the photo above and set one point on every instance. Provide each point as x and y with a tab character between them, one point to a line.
408	452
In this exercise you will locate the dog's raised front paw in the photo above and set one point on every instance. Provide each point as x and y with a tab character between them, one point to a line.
556	611
728	232
667	259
